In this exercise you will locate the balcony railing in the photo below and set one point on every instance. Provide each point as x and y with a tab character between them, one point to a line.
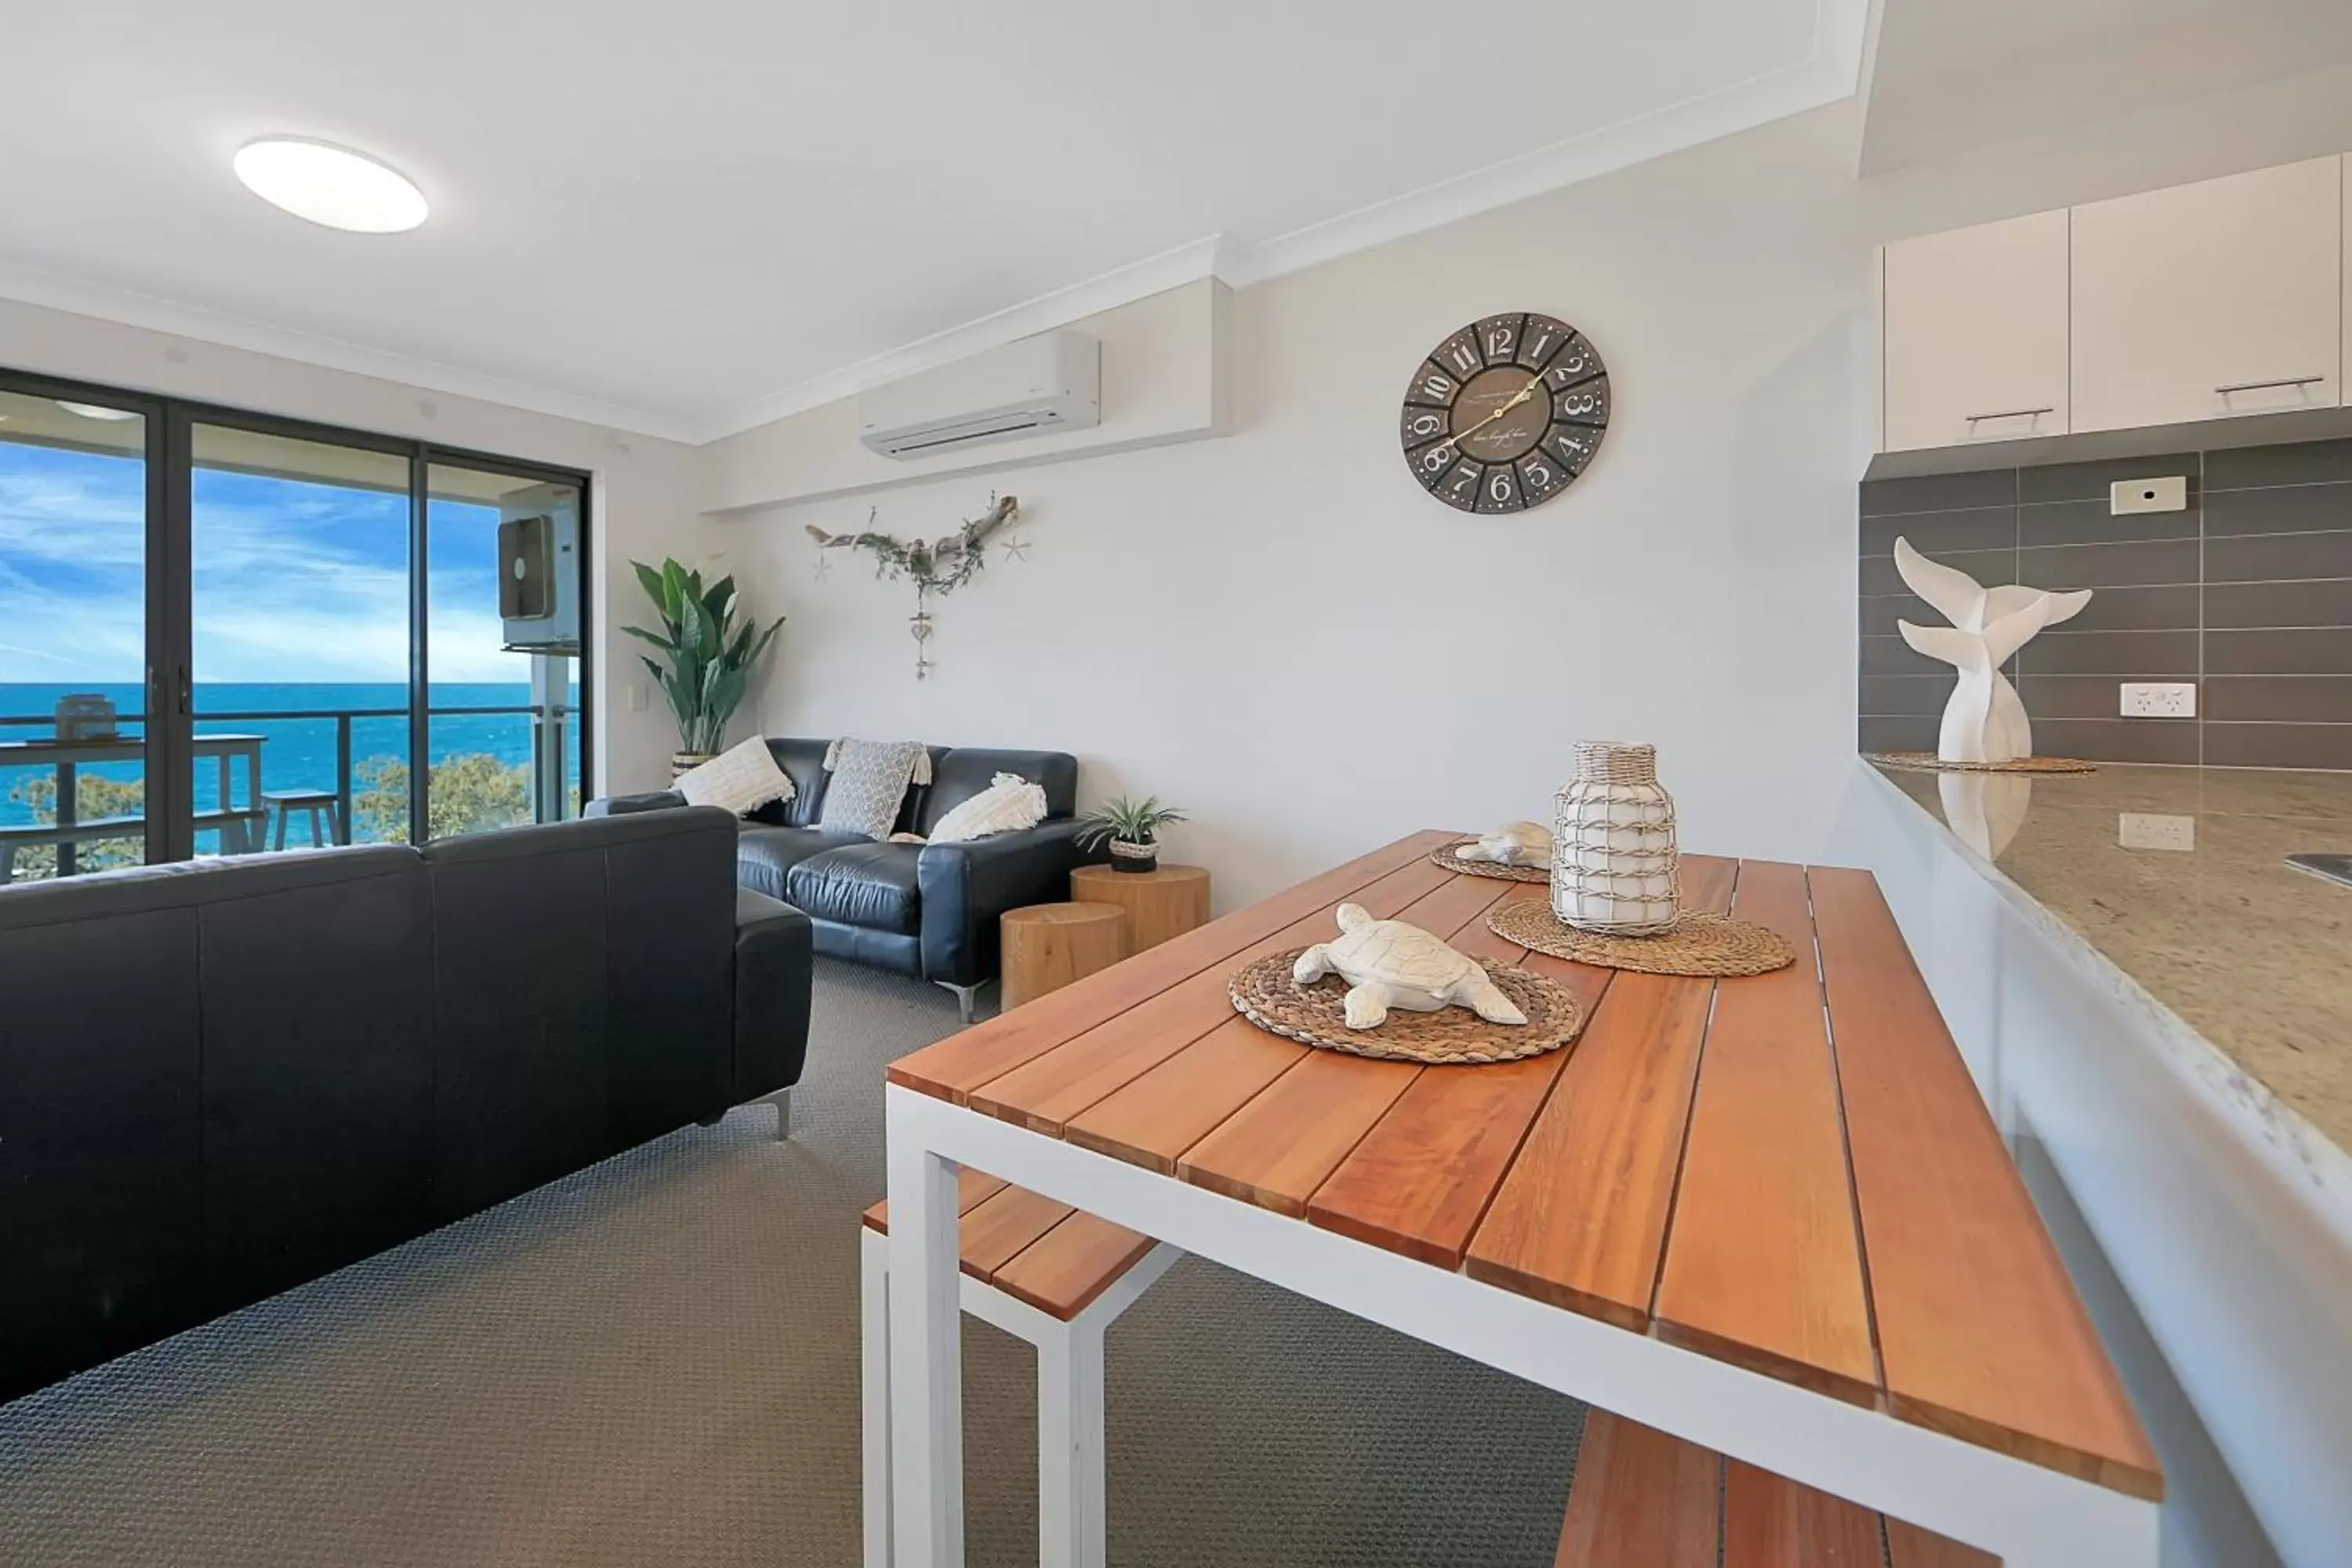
242	828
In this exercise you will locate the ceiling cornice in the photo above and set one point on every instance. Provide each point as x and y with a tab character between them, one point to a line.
131	309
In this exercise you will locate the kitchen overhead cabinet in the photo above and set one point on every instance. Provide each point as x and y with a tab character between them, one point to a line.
2208	301
1975	335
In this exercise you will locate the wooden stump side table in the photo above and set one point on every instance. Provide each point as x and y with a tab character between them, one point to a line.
1167	901
1047	946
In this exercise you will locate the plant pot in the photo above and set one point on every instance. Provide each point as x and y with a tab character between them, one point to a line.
1125	857
687	761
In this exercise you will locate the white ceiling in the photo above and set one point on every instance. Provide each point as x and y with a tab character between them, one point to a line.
685	217
1953	76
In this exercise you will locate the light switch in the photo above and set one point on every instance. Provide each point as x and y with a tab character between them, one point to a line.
636	697
2127	496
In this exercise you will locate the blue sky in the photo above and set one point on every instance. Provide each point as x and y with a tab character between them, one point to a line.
293	581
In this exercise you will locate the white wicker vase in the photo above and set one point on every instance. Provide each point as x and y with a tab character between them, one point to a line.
1613	859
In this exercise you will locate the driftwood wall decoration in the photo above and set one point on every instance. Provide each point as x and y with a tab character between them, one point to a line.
937	566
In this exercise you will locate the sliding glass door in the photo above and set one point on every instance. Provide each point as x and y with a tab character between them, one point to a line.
75	500
227	634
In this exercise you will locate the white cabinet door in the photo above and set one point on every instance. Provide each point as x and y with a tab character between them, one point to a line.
1975	335
2210	299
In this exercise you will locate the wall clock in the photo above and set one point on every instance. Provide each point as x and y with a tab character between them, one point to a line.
1506	412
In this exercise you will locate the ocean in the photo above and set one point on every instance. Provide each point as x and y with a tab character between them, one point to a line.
296	754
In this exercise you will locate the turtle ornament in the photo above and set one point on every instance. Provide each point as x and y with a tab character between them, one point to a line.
1388	964
1513	844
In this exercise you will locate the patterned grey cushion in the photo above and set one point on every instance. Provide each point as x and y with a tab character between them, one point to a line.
869	783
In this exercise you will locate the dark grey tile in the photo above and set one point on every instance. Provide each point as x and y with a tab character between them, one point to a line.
1990	567
2142	655
2136	610
2079	697
2278	745
1878	615
2300	463
1935	533
2278	653
2117	740
2323	604
2110	566
2281	699
1904	696
2091	481
1939	492
2090	522
2296	509
1897	734
2278	557
1893	656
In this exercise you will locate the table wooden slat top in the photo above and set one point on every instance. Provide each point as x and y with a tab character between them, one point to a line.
1791	1171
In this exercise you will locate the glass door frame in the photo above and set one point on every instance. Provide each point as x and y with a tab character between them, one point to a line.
170	723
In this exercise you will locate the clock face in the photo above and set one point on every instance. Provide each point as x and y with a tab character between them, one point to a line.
1505	414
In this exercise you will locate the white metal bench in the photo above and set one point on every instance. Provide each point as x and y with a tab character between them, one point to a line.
1049	1274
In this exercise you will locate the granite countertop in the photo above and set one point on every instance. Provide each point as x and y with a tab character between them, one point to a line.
2252	955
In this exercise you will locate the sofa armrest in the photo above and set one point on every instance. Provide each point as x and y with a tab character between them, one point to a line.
624	804
773	970
963	888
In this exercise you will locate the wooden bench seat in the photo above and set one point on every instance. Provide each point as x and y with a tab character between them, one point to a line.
1057	1258
1642	1499
1056	1276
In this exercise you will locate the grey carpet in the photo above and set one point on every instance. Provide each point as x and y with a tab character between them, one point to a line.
655	1362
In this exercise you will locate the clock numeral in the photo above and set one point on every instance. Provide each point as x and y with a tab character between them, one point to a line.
1464	358
1537	478
1572	445
1575	362
1421	425
1436	461
1433	385
1539	340
1499	337
1500	490
1461	486
1585	403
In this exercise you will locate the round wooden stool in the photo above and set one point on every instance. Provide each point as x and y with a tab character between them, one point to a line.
1047	946
1166	902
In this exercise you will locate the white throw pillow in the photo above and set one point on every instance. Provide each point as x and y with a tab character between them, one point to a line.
869	784
740	780
1009	804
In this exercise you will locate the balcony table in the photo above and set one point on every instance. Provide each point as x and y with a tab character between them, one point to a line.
240	826
1768	1216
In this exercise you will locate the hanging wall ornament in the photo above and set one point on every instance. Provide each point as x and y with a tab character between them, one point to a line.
936	566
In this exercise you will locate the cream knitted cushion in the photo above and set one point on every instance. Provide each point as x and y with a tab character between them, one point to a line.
742	779
1007	805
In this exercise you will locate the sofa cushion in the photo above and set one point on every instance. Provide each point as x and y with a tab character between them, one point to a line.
870	886
765	856
803	762
962	771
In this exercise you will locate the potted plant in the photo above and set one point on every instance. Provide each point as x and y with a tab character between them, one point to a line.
711	657
1133	829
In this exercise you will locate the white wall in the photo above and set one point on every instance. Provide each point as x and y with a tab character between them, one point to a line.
1279	631
644	489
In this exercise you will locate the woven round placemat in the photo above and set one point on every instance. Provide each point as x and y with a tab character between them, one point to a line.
1316	1014
1453	862
1928	762
1697	943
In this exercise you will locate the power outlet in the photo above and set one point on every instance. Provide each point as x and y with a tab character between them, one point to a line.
2160	700
2125	497
2144	830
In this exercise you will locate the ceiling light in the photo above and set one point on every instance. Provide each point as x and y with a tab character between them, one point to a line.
92	411
329	186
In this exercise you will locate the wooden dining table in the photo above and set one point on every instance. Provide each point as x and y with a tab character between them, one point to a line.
1770	1216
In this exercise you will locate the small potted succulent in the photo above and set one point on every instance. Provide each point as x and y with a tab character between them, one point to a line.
1132	828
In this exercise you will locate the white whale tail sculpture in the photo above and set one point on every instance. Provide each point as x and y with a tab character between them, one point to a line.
1984	722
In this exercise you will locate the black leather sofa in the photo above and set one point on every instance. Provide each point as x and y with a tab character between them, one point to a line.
927	910
221	1079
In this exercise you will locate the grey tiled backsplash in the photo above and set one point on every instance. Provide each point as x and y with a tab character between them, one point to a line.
2248	592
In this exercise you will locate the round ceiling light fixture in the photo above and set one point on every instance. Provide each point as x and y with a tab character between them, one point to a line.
96	411
329	185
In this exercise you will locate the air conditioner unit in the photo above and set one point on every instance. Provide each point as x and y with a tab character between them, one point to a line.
1052	381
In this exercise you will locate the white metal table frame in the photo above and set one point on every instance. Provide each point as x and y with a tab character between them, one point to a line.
2028	1515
